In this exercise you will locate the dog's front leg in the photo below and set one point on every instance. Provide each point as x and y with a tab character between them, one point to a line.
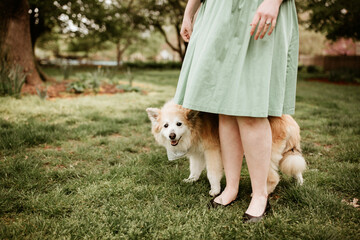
214	169
197	165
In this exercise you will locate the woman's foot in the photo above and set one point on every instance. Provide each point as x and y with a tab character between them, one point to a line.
226	197
257	205
247	218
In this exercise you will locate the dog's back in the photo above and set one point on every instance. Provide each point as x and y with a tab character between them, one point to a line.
208	130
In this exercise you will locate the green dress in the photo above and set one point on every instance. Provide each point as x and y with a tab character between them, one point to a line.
226	71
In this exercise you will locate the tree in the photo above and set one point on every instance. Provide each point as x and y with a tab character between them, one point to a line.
116	21
124	24
165	13
334	18
15	38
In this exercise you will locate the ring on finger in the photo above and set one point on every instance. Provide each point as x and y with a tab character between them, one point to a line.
268	22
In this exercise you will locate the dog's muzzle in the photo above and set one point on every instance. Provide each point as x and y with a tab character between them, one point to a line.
175	142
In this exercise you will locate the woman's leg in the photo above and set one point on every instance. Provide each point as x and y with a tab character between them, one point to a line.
256	141
232	154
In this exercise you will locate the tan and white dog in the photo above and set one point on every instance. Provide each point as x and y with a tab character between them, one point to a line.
184	132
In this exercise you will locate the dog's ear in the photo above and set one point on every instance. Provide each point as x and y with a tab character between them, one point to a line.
192	115
153	114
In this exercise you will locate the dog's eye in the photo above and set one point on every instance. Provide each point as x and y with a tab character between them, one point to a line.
166	125
178	124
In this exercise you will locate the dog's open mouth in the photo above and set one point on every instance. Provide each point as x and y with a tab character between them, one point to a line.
175	142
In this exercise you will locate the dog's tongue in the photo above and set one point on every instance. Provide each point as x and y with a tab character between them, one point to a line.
173	142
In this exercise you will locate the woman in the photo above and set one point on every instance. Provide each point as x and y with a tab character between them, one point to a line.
241	63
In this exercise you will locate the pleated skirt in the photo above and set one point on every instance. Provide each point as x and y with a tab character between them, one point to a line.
227	71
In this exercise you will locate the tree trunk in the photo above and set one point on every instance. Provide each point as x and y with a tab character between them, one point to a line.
118	55
177	49
17	41
120	51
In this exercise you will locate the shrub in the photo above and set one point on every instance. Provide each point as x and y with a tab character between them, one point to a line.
345	75
12	77
301	68
153	65
90	80
313	69
66	70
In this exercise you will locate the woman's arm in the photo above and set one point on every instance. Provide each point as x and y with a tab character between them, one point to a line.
265	15
190	10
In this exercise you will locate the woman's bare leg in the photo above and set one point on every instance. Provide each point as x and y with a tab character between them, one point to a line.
232	154
256	141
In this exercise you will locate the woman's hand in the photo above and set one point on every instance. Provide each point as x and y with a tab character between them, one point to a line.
187	26
265	15
186	29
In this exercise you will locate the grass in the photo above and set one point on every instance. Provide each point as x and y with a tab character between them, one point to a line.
89	167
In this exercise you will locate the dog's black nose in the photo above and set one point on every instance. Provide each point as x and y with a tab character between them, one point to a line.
172	136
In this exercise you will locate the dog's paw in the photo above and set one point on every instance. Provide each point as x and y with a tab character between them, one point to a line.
214	192
299	179
190	180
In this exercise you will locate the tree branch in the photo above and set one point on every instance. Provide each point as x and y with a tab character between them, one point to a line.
162	31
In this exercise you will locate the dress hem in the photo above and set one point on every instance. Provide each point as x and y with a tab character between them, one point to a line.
270	112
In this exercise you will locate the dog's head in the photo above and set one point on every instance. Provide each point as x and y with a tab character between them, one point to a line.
172	125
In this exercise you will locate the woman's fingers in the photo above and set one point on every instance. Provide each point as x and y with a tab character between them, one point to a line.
267	24
260	28
268	10
186	30
185	34
254	23
273	23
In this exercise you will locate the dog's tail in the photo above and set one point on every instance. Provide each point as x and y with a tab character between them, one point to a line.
293	162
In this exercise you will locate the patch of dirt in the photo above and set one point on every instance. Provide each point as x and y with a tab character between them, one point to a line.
326	147
145	149
59	90
52	147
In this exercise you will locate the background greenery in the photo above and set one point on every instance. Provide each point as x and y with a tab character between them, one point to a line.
88	167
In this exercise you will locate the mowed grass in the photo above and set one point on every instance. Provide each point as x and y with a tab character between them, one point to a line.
88	167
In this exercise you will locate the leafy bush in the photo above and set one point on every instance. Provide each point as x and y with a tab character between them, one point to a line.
89	80
12	77
129	87
66	70
154	65
313	69
345	75
301	68
42	93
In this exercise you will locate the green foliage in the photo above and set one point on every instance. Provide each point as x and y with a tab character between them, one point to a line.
92	80
154	65
89	80
129	87
42	93
12	77
334	18
313	69
66	69
345	75
337	75
110	74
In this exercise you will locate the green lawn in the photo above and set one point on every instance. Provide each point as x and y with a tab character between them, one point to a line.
89	167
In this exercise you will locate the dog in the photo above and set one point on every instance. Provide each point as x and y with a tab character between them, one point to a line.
194	134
